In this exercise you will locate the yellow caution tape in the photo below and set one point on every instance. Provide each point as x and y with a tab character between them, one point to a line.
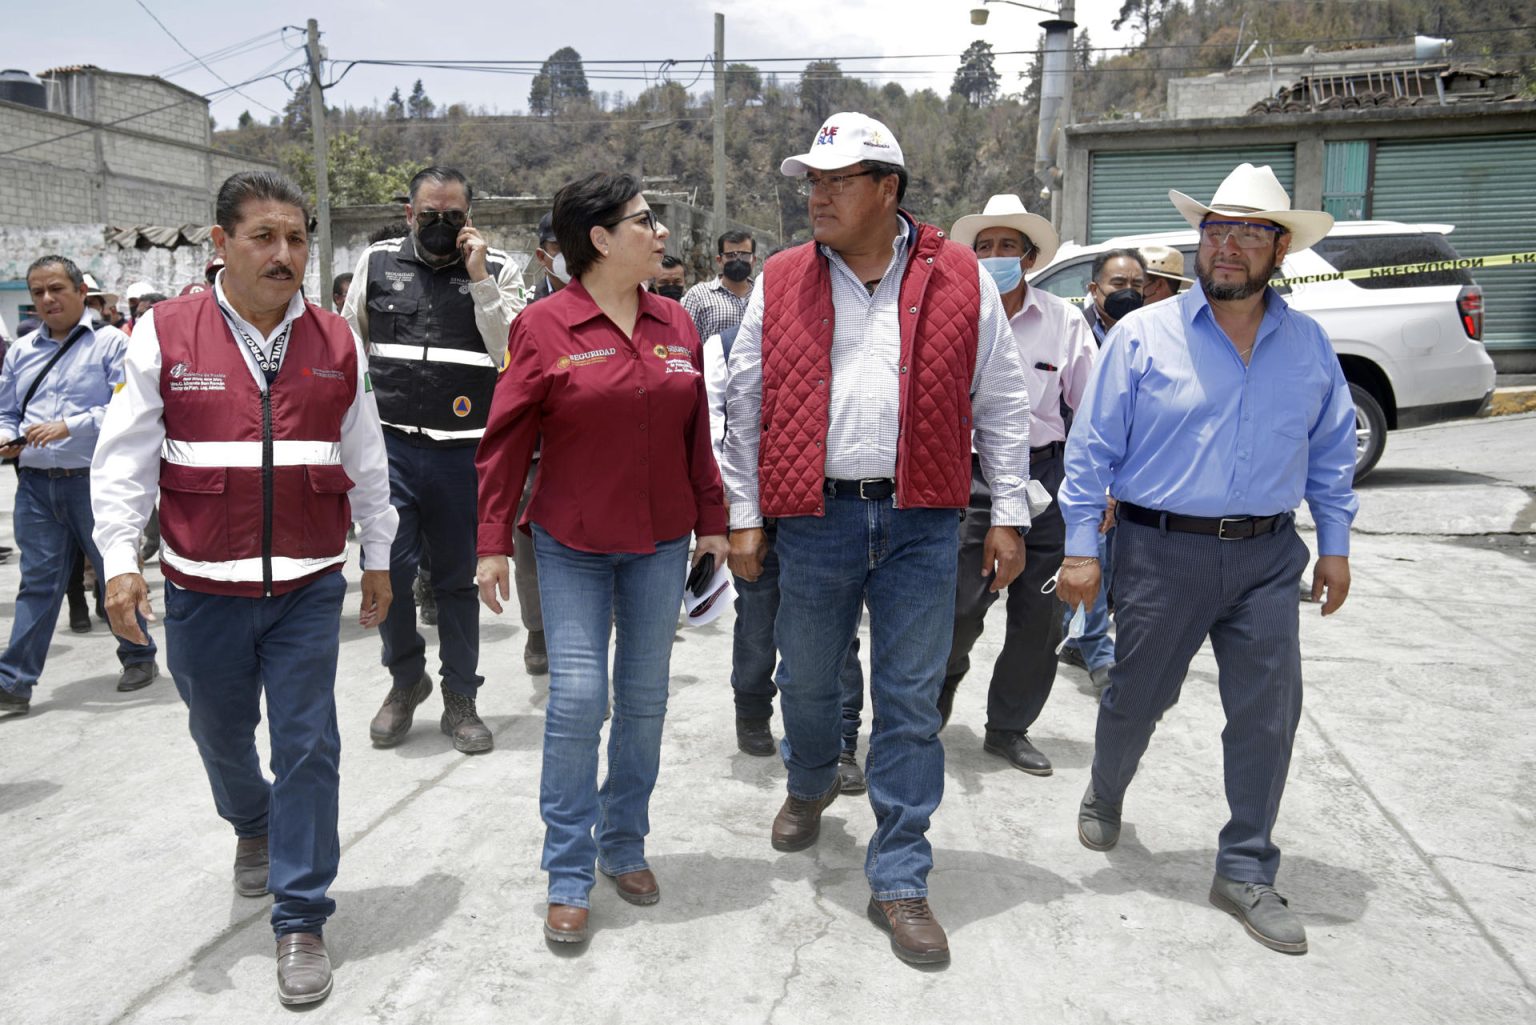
1427	267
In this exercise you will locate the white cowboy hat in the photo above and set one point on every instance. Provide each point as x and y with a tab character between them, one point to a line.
1255	192
1165	262
843	139
1008	211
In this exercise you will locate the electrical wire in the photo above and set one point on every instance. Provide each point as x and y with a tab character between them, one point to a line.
156	19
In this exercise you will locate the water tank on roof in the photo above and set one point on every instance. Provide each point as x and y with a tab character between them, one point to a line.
19	87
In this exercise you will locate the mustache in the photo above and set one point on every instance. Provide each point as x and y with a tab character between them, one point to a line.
279	274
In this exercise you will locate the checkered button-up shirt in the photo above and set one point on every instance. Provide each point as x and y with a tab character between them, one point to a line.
713	307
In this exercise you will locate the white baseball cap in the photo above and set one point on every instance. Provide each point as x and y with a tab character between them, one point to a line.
843	139
138	290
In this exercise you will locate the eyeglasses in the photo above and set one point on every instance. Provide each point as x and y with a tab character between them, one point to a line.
745	254
830	184
1248	235
647	219
452	218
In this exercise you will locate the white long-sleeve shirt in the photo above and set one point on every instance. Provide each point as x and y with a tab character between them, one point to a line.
125	472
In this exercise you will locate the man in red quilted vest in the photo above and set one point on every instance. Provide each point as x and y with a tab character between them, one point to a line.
249	411
866	362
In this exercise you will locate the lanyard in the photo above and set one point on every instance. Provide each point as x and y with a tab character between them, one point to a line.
269	367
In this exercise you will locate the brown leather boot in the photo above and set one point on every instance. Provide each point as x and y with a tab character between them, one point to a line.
638	887
799	822
393	722
566	924
916	936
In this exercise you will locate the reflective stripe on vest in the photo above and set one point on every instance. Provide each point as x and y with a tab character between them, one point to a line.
244	570
436	435
432	354
248	453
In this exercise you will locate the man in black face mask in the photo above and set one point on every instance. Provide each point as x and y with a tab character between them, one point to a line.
434	308
717	305
672	282
1119	276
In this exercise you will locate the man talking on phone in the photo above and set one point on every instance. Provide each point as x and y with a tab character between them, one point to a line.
434	308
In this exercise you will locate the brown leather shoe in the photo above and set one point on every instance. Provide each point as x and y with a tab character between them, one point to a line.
463	723
566	924
393	722
251	866
916	936
798	822
303	969
638	887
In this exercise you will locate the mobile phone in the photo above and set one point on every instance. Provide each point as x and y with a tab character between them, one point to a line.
703	573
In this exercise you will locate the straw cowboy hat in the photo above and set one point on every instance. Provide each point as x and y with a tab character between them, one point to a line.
1008	212
1255	192
1165	262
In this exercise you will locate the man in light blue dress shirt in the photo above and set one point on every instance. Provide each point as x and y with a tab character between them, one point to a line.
54	391
1209	418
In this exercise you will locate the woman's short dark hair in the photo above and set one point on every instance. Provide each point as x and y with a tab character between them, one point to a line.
238	189
596	200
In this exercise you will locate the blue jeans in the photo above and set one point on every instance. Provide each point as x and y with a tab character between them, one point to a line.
52	518
901	564
434	490
753	652
223	652
1097	647
581	594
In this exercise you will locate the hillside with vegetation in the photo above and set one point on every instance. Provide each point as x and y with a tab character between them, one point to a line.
976	140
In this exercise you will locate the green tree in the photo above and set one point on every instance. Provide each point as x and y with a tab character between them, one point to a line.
245	120
355	173
821	89
394	108
419	104
976	79
743	84
560	82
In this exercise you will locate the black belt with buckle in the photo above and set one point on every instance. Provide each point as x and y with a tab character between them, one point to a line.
870	489
1227	528
55	471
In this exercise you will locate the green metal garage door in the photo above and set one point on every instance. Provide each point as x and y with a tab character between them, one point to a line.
1487	188
1128	192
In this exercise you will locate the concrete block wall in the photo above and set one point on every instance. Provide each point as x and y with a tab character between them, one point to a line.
147	105
1219	95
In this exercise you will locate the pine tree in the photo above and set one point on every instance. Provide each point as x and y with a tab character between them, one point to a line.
976	79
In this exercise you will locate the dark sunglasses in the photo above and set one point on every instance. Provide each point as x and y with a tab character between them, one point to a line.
453	218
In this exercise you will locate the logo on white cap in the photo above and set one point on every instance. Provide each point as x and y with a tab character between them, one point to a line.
846	138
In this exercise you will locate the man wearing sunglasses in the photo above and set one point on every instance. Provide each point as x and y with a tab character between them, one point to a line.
1209	418
434	308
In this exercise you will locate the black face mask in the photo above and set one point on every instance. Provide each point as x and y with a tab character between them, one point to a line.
438	238
671	291
737	270
1118	304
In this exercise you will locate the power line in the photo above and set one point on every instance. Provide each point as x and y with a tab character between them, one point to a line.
156	19
232	50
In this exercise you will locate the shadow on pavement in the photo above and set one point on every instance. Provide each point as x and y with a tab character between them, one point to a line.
1421	476
15	796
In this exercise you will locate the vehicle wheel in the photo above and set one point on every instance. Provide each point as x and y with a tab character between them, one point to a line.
1370	431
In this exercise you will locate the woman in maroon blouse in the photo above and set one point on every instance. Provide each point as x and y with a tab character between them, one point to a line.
610	377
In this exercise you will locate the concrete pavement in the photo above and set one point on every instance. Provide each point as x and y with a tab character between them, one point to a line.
1408	832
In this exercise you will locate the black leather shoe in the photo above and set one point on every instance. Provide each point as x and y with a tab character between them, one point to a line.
754	737
251	862
462	722
394	717
947	700
850	778
1015	746
1072	655
79	616
137	676
13	704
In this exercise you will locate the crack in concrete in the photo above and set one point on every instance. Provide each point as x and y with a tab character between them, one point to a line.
1425	858
139	1002
1521	869
828	917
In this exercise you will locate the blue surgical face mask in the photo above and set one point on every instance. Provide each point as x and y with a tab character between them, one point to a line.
1079	619
1006	272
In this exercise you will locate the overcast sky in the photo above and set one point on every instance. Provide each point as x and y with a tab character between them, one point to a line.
121	35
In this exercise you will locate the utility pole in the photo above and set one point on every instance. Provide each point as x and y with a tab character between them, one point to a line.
322	162
719	124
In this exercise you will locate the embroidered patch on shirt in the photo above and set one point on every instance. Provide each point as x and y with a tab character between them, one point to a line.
582	359
325	372
462	406
660	351
183	378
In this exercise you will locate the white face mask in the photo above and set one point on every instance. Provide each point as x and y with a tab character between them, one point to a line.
1079	618
557	268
